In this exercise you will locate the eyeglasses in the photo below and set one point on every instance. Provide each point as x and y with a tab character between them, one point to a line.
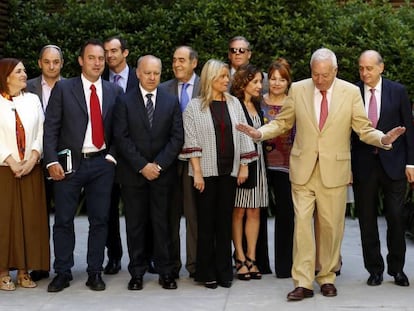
238	50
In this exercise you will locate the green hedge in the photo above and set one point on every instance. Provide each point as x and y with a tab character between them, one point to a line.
292	29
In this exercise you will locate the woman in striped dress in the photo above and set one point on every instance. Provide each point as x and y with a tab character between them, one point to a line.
247	87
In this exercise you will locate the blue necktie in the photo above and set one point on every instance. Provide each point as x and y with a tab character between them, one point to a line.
184	96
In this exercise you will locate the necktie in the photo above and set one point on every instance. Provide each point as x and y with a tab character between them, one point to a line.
324	110
150	108
184	97
372	109
116	79
96	119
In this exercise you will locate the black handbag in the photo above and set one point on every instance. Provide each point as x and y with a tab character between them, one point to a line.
251	180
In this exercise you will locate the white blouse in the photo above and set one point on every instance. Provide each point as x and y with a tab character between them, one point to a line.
30	111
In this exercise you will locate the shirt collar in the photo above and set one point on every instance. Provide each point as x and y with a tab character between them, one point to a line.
124	74
191	81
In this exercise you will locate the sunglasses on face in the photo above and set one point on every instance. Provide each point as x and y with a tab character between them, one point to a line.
238	50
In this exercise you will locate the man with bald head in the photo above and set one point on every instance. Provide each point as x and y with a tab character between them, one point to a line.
50	63
387	105
149	134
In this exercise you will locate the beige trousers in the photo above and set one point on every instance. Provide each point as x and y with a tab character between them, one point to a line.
328	206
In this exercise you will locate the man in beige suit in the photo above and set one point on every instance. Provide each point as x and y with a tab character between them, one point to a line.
320	165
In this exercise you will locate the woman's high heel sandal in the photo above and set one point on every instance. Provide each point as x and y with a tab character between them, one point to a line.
24	280
6	283
242	276
255	275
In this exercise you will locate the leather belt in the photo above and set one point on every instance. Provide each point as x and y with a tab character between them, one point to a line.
89	155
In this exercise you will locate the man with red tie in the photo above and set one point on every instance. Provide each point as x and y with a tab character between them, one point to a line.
387	105
79	119
324	109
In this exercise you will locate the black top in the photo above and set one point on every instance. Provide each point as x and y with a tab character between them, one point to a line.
224	136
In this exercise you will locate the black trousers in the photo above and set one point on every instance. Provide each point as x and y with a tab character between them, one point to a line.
113	241
366	188
214	216
284	222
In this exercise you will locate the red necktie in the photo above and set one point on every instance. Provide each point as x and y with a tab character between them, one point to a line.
324	110
96	119
372	109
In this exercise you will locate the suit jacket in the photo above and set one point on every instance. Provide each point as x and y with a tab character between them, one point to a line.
171	86
132	77
138	143
331	145
35	86
395	111
67	118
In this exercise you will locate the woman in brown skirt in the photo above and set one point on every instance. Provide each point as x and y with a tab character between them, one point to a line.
24	236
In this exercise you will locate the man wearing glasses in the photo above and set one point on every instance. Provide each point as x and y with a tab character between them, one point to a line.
239	55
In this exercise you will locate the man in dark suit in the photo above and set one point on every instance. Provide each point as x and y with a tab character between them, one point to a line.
185	61
79	118
387	105
119	73
50	63
149	134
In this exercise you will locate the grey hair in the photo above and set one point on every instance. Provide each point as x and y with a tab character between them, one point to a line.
324	54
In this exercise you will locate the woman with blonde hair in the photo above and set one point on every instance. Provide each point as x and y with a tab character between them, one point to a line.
218	156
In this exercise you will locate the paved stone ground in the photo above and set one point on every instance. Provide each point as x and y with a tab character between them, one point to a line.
266	294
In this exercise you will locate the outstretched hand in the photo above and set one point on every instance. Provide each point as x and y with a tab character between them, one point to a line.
392	135
249	130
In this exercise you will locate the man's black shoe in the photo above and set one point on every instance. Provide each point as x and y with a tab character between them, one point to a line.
135	283
60	282
113	266
401	279
167	282
38	275
375	279
95	282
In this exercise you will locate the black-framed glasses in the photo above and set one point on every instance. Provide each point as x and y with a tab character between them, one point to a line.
238	50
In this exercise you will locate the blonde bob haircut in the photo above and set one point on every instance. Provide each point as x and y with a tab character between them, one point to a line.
210	72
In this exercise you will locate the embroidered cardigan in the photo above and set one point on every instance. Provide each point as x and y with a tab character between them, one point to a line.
200	137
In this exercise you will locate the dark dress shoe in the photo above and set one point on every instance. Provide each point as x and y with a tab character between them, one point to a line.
167	282
211	285
299	293
59	282
192	275
225	284
95	282
401	279
328	290
112	267
135	283
375	279
38	275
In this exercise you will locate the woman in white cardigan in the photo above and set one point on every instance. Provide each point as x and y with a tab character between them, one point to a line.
24	236
218	155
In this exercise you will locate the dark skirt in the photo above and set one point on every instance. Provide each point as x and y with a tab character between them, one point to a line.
24	230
